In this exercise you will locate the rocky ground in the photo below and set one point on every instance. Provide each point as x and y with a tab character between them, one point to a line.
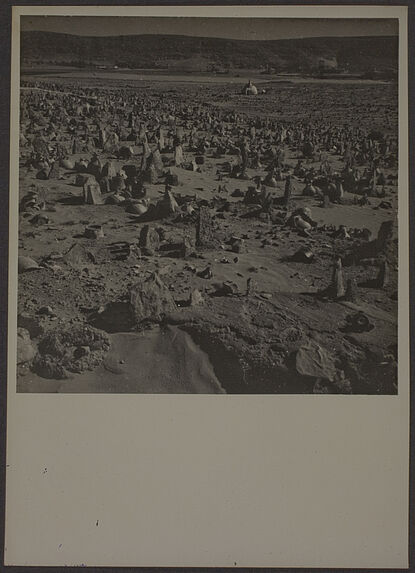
244	300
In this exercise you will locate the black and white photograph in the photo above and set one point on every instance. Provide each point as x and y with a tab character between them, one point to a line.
208	205
208	308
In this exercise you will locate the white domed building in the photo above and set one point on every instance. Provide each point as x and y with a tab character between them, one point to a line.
250	89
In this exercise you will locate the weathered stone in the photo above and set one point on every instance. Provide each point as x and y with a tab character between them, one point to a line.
77	146
150	175
250	286
172	179
385	234
54	172
125	152
149	240
26	264
119	251
151	300
157	162
186	248
112	142
205	229
40	146
39	219
238	245
94	232
351	290
31	324
95	167
168	205
195	297
109	170
178	155
80	256
336	288
25	349
206	273
66	163
382	280
104	185
82	179
117	184
43	174
313	360
92	194
136	207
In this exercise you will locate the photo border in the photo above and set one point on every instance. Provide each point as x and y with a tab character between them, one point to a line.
4	153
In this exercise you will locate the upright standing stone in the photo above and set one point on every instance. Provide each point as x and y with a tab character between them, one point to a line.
149	240
92	193
102	138
77	146
337	284
54	172
205	229
111	142
157	162
186	248
385	235
382	279
109	170
351	288
288	191
178	155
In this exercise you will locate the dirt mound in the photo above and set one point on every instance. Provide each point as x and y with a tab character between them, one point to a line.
75	349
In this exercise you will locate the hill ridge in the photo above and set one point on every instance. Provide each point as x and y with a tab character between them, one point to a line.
198	53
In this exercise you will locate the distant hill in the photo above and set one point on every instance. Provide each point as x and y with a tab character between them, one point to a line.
353	54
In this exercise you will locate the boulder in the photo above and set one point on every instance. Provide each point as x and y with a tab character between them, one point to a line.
26	264
81	256
151	300
135	207
31	324
314	361
25	348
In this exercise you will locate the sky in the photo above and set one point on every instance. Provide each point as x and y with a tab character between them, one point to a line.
235	28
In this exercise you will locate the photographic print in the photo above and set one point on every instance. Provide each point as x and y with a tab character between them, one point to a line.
208	304
208	205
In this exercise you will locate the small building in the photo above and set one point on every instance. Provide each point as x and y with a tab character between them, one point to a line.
250	89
